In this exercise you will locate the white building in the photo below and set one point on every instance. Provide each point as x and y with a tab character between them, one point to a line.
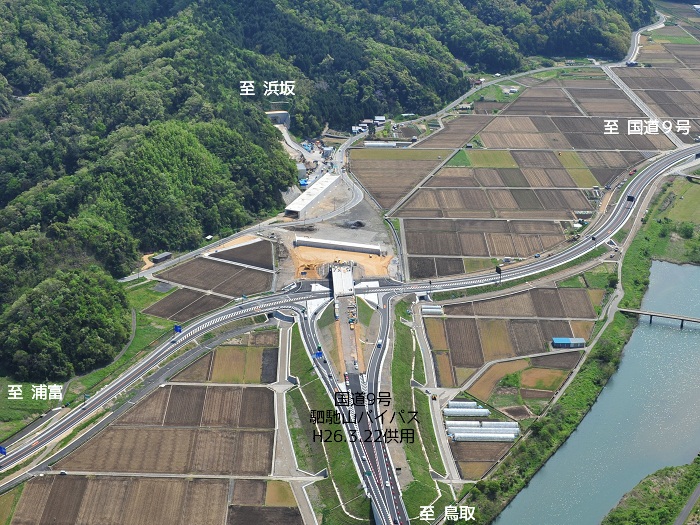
307	200
374	249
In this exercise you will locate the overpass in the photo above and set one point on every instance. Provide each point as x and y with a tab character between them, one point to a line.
681	318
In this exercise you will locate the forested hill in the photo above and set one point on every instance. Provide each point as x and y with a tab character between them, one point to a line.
122	129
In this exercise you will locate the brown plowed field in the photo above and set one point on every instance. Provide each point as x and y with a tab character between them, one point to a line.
452	182
478	450
244	515
500	244
582	329
249	492
527	337
119	500
526	199
459	309
104	499
576	303
514	305
482	387
561	179
495	339
536	159
517	412
576	125
473	469
127	449
217	452
264	338
173	303
197	372
222	407
220	277
443	243
473	244
205	502
389	180
511	125
257	408
535	227
31	504
537	177
531	393
566	360
142	507
547	302
488	177
513	178
456	132
447	266
514	140
421	267
149	411
544	124
443	367
200	273
526	245
552	199
255	254
543	378
463	339
185	406
229	365
422	200
431	225
502	199
435	330
551	240
245	282
254	456
605	175
467	198
474	226
555	329
204	304
541	105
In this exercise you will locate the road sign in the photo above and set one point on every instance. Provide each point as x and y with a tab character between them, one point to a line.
177	328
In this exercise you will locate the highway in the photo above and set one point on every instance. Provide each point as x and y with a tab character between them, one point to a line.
382	484
386	497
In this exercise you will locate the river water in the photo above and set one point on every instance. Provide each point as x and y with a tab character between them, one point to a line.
646	418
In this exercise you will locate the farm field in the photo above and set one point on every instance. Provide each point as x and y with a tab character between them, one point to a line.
483	386
463	340
257	253
495	339
474	458
203	406
473	239
219	277
242	515
542	378
565	361
253	363
388	174
444	369
122	500
163	450
456	132
435	330
184	304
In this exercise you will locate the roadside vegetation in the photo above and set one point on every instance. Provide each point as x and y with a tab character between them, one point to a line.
659	498
340	465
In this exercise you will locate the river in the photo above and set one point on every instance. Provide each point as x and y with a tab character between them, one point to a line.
646	417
